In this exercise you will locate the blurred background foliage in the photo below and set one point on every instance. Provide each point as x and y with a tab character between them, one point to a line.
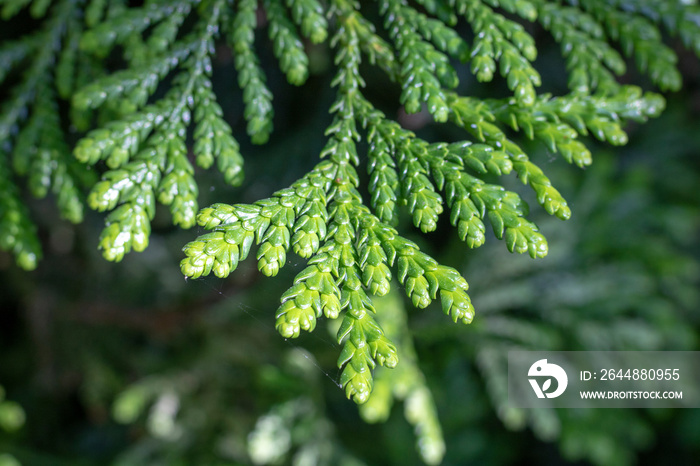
129	364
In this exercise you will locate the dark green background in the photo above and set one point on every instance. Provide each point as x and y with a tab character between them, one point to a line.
622	274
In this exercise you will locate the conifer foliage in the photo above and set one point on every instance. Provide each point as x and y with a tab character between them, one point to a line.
70	112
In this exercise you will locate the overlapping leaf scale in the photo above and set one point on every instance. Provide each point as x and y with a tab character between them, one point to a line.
269	222
679	18
314	293
31	129
332	283
448	162
591	61
130	193
119	140
43	48
417	191
424	70
420	274
526	9
134	85
558	121
504	41
476	117
117	29
384	180
213	138
147	154
251	77
441	9
41	153
309	16
640	39
443	37
363	340
286	43
379	51
472	200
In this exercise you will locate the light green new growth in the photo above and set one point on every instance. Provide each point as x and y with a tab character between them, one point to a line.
136	123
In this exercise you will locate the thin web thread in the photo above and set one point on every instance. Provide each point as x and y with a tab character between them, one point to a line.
251	312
